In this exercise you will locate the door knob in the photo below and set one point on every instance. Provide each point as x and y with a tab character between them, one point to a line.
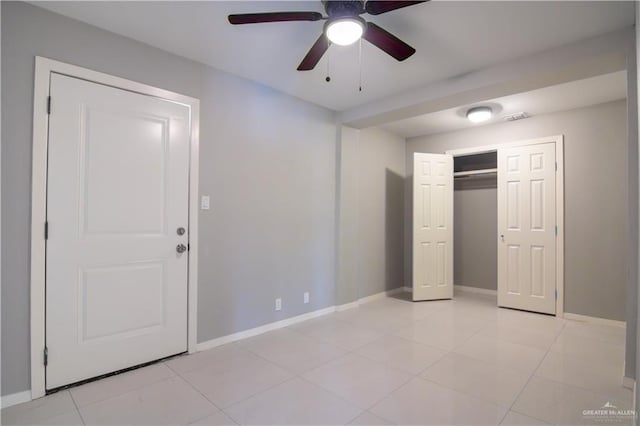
502	237
181	248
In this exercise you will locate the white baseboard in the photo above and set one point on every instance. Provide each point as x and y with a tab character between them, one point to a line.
409	289
20	397
209	344
347	306
15	398
476	290
628	382
371	298
594	320
380	295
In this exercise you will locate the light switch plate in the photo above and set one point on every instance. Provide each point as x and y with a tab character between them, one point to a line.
204	202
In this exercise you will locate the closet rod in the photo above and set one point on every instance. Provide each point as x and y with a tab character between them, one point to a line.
475	172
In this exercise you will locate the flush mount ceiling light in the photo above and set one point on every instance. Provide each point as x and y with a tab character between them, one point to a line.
479	114
345	31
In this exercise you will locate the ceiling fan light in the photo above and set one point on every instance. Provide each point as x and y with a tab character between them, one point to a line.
479	114
345	31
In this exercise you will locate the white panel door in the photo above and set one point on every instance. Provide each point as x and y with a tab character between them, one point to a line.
116	285
432	226
527	228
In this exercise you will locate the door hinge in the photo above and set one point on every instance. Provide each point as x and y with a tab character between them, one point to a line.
556	294
556	230
188	247
46	356
46	230
48	104
556	166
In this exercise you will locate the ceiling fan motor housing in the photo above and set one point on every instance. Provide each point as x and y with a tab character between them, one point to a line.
343	9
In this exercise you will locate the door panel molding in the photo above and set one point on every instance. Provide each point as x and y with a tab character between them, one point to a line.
558	140
534	171
44	67
432	226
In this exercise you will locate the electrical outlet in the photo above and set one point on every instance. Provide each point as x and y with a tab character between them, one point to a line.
306	297
278	304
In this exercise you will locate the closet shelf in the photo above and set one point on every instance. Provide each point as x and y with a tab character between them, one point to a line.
475	172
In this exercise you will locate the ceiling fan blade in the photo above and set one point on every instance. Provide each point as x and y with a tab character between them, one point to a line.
375	7
388	42
315	53
257	18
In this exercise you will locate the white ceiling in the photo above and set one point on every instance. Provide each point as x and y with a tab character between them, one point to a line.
451	38
575	94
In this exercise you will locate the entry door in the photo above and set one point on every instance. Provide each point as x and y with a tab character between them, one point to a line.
116	285
527	228
432	226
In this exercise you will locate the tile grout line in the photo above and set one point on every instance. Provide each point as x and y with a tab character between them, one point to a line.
598	393
353	352
569	385
452	351
468	395
301	375
236	421
195	389
180	375
508	409
123	393
294	376
77	408
564	324
341	398
236	402
413	376
487	326
221	409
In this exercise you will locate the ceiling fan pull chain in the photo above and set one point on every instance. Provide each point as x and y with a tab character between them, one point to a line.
328	78
360	65
344	27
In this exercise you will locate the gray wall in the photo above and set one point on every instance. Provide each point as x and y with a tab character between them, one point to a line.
371	213
347	216
596	197
633	356
632	232
475	241
267	160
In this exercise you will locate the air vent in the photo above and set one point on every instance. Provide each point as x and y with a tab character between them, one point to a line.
516	116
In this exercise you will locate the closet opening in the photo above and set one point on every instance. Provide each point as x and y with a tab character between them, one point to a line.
490	220
475	222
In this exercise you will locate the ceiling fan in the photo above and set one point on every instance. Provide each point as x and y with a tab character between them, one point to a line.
344	26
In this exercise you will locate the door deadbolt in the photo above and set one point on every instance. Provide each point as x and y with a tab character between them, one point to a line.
181	248
181	231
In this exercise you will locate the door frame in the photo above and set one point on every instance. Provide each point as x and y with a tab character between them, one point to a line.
558	140
43	69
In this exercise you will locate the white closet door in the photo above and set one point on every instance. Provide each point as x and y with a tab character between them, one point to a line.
432	226
527	228
118	181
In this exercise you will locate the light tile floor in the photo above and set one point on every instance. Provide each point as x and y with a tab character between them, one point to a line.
390	361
